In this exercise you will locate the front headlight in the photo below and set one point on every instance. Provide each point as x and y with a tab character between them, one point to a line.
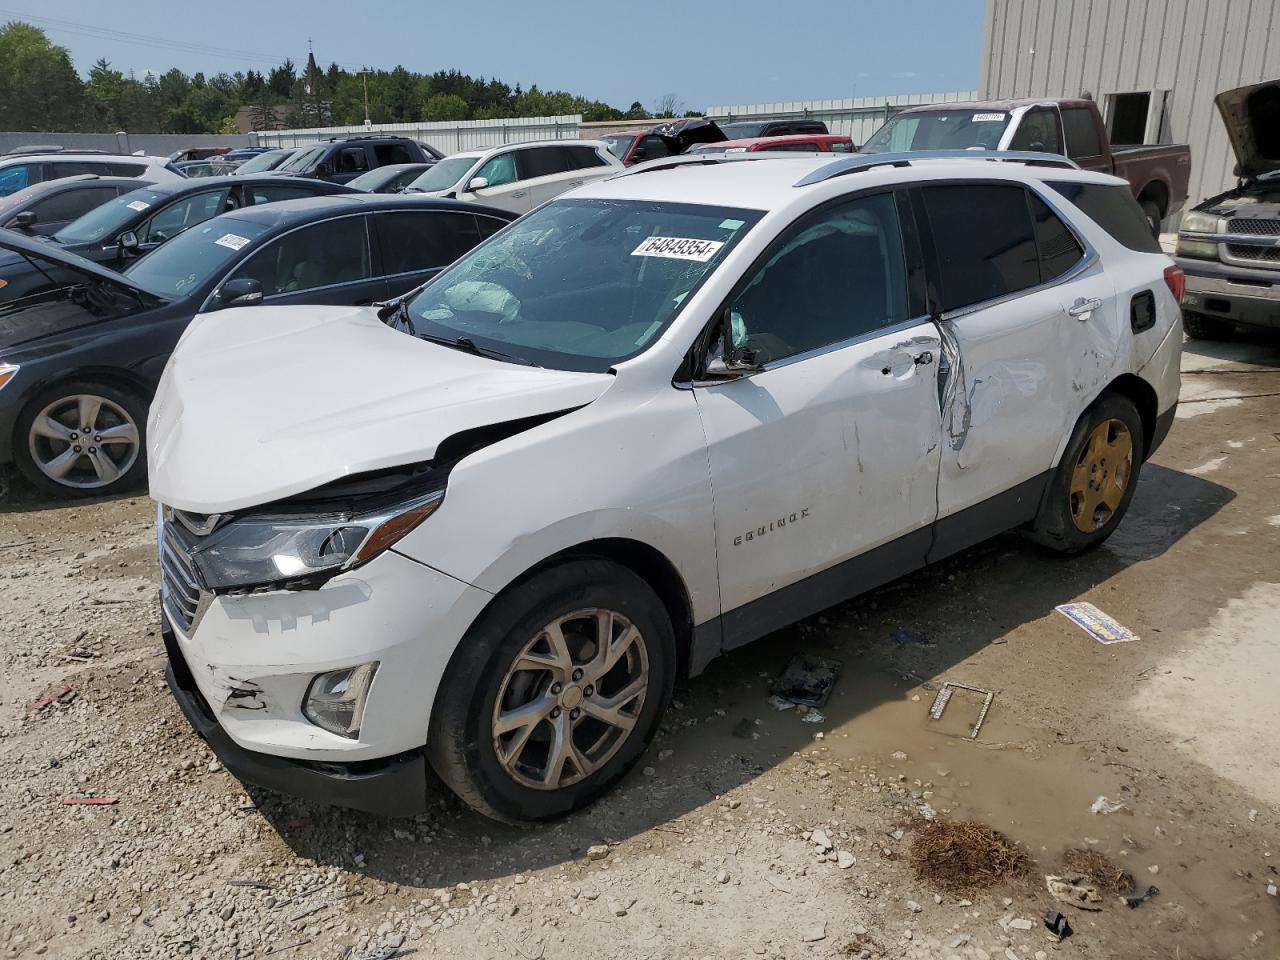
7	372
1195	222
276	551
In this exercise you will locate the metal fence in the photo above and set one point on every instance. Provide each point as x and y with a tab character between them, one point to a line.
856	117
155	144
449	136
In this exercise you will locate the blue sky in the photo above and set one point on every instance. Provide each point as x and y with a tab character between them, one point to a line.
709	52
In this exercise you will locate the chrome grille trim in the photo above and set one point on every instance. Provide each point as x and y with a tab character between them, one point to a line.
1246	252
180	591
1255	227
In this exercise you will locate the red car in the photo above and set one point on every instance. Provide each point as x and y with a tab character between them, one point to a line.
796	142
665	140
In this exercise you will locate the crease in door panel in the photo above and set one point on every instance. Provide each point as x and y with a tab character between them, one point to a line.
956	395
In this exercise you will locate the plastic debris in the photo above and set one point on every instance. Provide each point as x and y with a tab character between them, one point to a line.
89	801
1057	924
1105	807
1096	623
252	884
58	694
808	680
1075	889
1133	903
944	697
901	637
813	716
780	704
1271	888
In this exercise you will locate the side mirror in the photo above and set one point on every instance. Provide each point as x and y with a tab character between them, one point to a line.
241	292
127	242
477	183
23	221
733	363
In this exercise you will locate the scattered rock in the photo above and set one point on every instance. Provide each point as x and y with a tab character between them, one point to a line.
845	860
814	932
597	851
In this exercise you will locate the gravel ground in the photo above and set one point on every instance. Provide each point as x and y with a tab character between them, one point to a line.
746	831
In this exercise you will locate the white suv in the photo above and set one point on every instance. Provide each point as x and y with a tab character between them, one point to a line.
21	170
520	176
487	526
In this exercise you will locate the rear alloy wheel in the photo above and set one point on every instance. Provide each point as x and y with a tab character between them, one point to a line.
1090	490
1101	476
554	692
83	440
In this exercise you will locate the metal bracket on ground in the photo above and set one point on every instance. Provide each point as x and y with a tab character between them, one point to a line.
944	697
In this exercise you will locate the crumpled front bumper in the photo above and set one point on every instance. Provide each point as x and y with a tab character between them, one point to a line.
393	786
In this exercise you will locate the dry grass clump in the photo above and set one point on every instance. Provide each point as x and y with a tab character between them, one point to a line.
1100	869
964	855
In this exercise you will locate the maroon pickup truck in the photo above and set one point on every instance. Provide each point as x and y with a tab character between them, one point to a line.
1074	128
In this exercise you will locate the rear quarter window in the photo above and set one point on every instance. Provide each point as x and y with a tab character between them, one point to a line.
1113	209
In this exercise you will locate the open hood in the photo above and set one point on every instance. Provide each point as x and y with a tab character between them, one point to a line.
1252	118
45	252
261	403
680	135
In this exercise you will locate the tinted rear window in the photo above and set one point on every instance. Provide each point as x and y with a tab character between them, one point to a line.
1081	131
981	257
1059	249
1114	210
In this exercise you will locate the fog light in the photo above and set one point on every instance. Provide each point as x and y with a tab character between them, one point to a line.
335	700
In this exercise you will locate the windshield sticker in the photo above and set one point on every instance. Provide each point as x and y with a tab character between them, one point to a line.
137	205
678	248
232	241
730	224
987	117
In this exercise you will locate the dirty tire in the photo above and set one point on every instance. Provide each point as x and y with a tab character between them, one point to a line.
1152	212
461	747
118	405
1200	327
1054	526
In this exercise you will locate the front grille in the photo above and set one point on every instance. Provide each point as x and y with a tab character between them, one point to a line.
1254	227
179	585
1241	251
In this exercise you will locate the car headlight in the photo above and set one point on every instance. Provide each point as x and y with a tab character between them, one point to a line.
7	372
1196	222
254	552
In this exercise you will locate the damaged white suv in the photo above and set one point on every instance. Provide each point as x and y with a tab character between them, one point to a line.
487	527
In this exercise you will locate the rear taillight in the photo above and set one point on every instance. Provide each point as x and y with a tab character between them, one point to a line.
1177	281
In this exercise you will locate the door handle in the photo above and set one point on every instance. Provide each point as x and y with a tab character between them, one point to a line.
1082	309
919	360
521	193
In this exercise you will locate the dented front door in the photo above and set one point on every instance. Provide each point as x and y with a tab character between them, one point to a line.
823	458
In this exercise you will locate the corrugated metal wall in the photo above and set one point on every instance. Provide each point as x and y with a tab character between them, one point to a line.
1193	48
856	117
155	144
448	136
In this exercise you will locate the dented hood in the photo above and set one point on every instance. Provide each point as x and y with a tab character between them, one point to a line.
260	403
1252	118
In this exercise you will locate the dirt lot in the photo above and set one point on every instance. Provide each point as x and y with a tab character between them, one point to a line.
711	845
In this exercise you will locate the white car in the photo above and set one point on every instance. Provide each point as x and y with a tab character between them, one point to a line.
519	176
488	526
20	170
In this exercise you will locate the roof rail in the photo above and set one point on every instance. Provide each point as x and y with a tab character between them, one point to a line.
701	159
855	162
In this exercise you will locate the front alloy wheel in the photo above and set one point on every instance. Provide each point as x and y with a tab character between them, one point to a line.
84	441
554	692
570	699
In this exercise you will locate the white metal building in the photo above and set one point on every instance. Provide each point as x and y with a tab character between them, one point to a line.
1153	66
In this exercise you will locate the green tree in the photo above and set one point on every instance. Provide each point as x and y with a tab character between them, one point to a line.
444	106
39	87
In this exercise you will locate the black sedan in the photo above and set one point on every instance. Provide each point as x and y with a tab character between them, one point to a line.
45	208
392	178
142	219
79	361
